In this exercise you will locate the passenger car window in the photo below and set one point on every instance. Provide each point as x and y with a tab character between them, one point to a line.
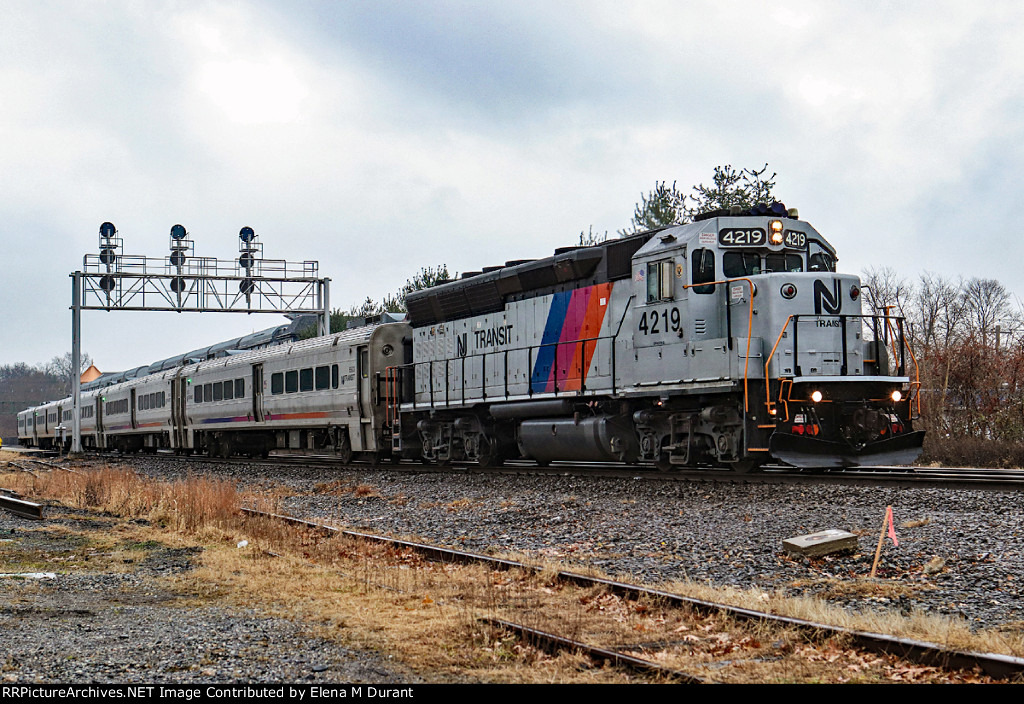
291	381
323	378
277	383
306	379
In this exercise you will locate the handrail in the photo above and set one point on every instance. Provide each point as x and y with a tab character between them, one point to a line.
750	326
581	343
887	320
767	390
917	369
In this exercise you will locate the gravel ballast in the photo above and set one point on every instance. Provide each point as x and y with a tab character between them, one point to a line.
959	555
716	532
124	625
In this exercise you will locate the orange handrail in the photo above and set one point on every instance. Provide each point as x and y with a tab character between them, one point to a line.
767	390
750	325
913	358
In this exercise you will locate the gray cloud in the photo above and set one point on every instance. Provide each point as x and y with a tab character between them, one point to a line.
381	137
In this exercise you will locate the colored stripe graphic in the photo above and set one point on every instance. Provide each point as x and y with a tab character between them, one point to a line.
593	319
565	373
543	367
562	361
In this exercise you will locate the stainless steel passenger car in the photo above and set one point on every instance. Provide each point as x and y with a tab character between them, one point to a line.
323	395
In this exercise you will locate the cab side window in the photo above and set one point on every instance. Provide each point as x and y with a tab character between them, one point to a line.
703	269
659	281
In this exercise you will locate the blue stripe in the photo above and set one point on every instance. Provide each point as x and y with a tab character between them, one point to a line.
552	333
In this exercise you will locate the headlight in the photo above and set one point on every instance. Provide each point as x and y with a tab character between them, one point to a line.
775	227
896	396
816	396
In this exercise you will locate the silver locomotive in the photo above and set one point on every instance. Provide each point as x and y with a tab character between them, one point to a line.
729	341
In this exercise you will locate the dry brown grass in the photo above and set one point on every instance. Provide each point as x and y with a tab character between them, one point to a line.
186	505
426	614
923	626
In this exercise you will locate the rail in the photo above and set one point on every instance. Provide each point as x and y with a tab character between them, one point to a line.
993	664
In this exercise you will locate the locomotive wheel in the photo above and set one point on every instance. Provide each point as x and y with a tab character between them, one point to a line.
663	464
745	466
489	454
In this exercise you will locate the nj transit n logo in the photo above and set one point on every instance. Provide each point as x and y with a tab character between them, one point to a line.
826	299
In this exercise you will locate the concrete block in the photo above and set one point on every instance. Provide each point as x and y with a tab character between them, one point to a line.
821	543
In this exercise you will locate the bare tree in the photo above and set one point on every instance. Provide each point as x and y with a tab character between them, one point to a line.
986	302
885	289
61	366
938	311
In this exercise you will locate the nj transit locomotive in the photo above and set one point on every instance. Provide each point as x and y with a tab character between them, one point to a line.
730	341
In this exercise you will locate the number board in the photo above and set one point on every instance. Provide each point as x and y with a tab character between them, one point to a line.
756	237
742	237
797	240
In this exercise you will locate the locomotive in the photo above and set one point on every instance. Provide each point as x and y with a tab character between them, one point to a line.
729	341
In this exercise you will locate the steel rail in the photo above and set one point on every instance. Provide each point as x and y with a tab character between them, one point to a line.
905	477
551	643
24	509
993	664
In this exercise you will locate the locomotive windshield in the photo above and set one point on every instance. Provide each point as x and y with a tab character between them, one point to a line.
737	264
822	261
783	261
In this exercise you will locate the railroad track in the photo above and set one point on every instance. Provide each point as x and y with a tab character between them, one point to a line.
918	477
997	666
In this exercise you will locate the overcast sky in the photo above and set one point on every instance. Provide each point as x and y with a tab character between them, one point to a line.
380	137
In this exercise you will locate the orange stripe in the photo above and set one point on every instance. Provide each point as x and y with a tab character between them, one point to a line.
300	416
591	327
593	322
